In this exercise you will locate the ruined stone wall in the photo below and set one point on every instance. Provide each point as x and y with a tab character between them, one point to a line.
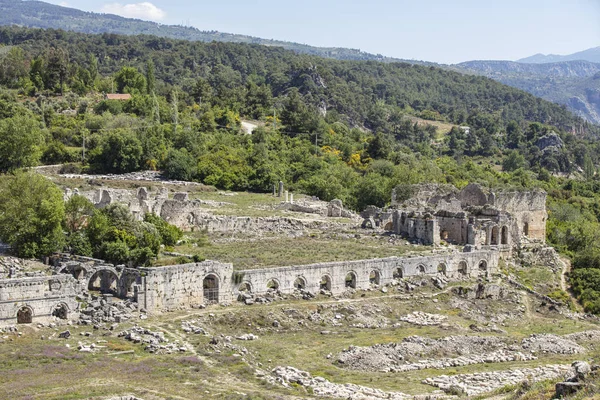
41	295
382	270
181	286
425	230
528	210
455	229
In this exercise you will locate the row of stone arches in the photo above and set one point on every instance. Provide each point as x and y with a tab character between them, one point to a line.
351	279
25	314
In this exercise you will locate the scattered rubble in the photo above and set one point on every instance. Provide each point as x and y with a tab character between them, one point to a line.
423	319
416	352
583	336
323	388
547	343
580	372
102	310
485	382
155	341
192	327
247	336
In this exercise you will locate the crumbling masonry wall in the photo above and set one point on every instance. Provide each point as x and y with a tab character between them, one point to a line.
453	265
39	296
182	286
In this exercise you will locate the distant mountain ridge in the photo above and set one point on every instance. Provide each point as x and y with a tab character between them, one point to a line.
592	55
37	14
565	69
576	84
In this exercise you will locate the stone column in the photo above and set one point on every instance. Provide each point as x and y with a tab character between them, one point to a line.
287	194
280	193
292	198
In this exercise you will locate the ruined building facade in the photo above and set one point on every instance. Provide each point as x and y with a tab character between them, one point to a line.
475	217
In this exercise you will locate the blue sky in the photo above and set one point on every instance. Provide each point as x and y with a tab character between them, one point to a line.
446	31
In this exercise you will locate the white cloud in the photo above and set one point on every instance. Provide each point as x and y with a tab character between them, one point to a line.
64	4
143	10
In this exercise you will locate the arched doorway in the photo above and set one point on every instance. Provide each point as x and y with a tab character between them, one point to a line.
421	270
104	281
398	273
245	287
60	311
463	268
389	227
210	286
444	235
441	269
127	283
351	280
300	283
374	277
483	265
24	315
504	235
78	272
325	283
495	235
273	284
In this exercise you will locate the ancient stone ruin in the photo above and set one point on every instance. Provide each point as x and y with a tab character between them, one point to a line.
474	216
487	224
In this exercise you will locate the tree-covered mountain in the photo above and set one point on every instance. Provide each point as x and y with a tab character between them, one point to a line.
364	93
37	14
592	55
552	83
575	84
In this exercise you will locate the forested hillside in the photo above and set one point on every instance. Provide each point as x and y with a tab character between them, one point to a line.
575	84
38	14
334	129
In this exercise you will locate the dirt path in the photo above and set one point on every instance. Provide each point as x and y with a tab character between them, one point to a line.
563	282
566	268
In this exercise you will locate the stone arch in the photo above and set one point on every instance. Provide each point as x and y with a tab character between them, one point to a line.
389	226
442	269
375	277
495	238
245	287
463	268
421	269
273	284
482	266
210	288
398	273
79	272
61	311
325	283
300	283
104	280
504	235
127	281
25	315
526	229
350	281
444	235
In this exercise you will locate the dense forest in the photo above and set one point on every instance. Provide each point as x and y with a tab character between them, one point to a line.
37	14
351	130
